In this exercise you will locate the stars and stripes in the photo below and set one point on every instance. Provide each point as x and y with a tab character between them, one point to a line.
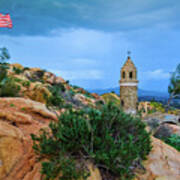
5	21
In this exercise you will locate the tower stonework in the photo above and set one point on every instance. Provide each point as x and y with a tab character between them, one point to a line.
128	87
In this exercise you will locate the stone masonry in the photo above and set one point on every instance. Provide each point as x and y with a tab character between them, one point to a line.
128	87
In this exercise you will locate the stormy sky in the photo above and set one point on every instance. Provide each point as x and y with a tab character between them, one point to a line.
86	41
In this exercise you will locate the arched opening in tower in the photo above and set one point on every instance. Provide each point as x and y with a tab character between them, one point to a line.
131	75
122	103
124	75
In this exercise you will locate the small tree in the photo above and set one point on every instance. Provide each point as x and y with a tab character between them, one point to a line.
8	87
174	86
4	54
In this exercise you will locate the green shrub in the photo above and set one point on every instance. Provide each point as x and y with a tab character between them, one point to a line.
174	141
17	70
8	88
39	74
26	68
18	80
26	83
108	137
71	92
56	99
156	106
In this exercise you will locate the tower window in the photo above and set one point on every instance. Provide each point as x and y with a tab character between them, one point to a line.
131	75
123	75
122	103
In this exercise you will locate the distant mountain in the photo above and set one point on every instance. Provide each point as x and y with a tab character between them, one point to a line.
141	93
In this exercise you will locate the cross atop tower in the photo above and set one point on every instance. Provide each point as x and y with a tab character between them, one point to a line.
129	53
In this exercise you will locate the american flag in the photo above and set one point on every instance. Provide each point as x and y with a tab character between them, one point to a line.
5	21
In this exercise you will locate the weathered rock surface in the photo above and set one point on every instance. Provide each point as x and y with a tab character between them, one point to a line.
174	129
19	118
166	130
37	84
163	163
84	100
163	118
144	107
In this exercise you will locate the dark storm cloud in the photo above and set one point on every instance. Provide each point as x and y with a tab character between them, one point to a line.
40	17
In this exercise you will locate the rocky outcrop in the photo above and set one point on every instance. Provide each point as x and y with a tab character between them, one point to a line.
19	118
158	119
166	130
144	108
84	100
39	85
163	163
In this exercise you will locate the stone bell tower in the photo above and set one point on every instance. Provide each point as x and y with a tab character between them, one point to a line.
128	87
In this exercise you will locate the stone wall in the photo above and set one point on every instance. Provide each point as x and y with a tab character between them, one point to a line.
128	97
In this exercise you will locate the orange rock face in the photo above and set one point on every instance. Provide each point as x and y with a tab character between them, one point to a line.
19	118
163	163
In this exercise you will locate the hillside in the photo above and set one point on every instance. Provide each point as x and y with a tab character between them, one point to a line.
32	98
42	86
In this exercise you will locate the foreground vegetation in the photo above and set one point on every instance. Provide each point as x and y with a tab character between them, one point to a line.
114	141
173	140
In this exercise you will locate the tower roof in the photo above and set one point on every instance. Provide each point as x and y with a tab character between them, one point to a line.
129	63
